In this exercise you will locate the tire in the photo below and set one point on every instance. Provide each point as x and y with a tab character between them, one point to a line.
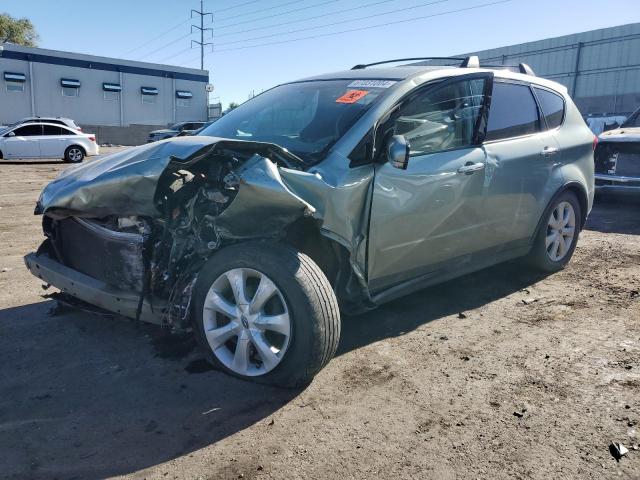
549	258
303	296
74	154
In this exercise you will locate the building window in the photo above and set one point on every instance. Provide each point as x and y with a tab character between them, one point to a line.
14	82
70	87
112	96
149	94
70	92
111	91
15	87
183	98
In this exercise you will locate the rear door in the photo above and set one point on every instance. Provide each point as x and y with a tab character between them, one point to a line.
430	215
521	155
24	143
53	141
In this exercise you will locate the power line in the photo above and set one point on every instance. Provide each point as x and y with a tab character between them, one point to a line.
475	7
330	14
338	23
164	46
157	37
238	6
320	4
259	11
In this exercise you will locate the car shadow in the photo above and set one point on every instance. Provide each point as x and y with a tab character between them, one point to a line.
453	297
32	162
82	396
615	213
92	396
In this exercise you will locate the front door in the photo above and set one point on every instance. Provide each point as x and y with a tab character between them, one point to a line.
431	216
24	143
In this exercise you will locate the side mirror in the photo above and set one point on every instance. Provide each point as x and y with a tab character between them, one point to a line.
398	152
10	134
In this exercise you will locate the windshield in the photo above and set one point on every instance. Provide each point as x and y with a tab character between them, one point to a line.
306	118
633	120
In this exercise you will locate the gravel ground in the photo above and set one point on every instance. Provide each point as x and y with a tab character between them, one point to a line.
500	374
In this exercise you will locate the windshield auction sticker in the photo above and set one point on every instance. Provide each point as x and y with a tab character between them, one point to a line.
352	96
371	84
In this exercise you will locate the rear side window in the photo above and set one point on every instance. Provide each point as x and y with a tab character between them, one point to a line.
552	107
52	130
513	112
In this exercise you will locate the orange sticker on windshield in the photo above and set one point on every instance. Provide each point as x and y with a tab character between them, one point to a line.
352	96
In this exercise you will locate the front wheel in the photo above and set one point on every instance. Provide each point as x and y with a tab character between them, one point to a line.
266	312
74	154
557	237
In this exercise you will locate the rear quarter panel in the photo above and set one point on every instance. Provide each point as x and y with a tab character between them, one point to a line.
576	143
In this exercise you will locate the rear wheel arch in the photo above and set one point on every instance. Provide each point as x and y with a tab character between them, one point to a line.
581	194
579	191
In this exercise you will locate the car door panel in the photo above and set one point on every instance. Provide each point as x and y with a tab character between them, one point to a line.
20	147
425	215
431	213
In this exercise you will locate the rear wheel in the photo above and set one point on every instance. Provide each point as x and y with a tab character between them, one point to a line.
266	312
74	154
558	234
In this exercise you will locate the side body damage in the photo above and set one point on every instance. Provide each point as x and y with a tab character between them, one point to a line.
135	228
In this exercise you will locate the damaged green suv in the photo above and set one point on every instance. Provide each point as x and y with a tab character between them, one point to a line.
334	193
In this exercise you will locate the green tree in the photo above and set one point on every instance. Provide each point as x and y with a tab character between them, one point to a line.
233	105
17	30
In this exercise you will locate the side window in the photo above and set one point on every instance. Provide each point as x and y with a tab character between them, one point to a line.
513	112
52	130
552	106
28	131
441	118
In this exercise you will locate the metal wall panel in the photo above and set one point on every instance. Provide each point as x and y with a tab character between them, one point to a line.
607	78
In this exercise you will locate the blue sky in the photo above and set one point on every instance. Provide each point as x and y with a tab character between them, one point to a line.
135	29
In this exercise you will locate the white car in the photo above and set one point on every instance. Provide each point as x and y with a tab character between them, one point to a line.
46	140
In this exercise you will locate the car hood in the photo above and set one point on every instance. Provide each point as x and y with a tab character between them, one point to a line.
124	183
621	134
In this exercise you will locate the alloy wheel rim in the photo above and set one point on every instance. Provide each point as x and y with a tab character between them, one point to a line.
561	229
74	154
246	322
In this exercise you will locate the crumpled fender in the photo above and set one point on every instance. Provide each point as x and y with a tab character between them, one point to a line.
263	205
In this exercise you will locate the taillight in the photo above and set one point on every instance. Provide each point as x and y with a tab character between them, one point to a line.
595	142
92	138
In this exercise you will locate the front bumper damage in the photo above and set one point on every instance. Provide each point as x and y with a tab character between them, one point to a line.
93	291
182	200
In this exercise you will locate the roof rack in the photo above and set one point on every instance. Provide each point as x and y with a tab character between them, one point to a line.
465	62
520	68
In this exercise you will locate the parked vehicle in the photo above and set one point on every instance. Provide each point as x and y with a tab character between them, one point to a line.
617	157
67	122
174	130
338	192
46	140
185	133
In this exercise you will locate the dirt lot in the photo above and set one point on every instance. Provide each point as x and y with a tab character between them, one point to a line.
500	374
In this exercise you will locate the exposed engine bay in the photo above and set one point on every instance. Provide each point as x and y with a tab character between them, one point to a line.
150	231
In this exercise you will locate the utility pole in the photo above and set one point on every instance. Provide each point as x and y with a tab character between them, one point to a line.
202	43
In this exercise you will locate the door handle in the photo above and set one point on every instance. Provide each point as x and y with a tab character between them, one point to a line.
549	151
469	168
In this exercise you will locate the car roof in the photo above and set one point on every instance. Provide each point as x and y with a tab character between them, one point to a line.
431	72
38	122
